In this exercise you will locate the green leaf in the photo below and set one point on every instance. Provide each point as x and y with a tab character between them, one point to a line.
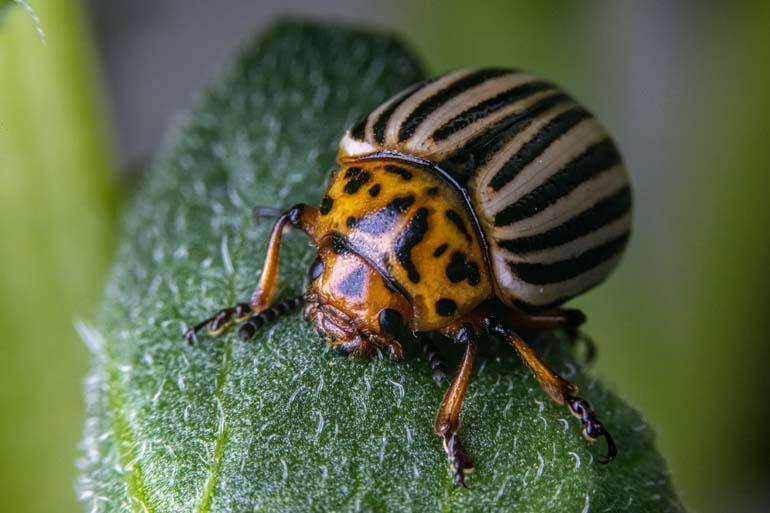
280	423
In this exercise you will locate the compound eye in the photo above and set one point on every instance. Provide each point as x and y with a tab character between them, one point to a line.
316	269
391	323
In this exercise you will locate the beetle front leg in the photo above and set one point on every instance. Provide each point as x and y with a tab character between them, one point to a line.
303	217
561	390
448	417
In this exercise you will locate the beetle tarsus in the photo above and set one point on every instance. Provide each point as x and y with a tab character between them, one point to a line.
592	427
242	313
458	459
254	322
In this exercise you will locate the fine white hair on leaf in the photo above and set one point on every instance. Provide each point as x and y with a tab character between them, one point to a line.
571	371
545	422
284	470
399	388
294	395
587	504
577	459
565	423
540	405
226	259
221	412
91	337
35	19
382	448
138	501
540	467
156	396
501	491
408	435
320	426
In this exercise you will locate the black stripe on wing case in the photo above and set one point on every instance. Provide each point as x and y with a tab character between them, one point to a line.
487	107
513	125
432	103
484	146
544	274
535	147
359	129
596	159
378	129
601	214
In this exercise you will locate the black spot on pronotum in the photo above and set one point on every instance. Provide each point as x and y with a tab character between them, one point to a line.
316	269
457	220
351	222
352	171
433	191
446	307
326	205
356	182
374	190
460	269
398	170
409	238
339	244
353	284
440	250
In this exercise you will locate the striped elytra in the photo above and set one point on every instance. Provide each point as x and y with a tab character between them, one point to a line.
545	182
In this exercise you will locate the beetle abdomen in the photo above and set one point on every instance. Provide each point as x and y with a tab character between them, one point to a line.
545	181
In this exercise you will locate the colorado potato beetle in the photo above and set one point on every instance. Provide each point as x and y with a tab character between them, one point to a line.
475	202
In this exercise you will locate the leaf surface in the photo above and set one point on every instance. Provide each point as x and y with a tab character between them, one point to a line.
280	423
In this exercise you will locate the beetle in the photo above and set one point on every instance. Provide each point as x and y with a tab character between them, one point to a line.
477	202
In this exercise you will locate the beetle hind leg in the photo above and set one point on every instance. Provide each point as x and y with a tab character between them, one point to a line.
568	319
561	390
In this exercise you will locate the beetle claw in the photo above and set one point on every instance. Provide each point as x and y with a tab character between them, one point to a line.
593	429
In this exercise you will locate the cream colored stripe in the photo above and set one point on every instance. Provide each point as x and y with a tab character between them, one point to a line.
545	294
575	247
485	173
352	147
376	114
448	146
588	193
411	103
464	100
560	153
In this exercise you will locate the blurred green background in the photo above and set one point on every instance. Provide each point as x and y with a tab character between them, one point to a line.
682	327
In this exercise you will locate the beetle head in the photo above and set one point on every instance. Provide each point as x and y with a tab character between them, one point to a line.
353	306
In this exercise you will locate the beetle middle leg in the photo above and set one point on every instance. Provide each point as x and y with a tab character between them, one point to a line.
435	360
561	390
448	417
300	216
